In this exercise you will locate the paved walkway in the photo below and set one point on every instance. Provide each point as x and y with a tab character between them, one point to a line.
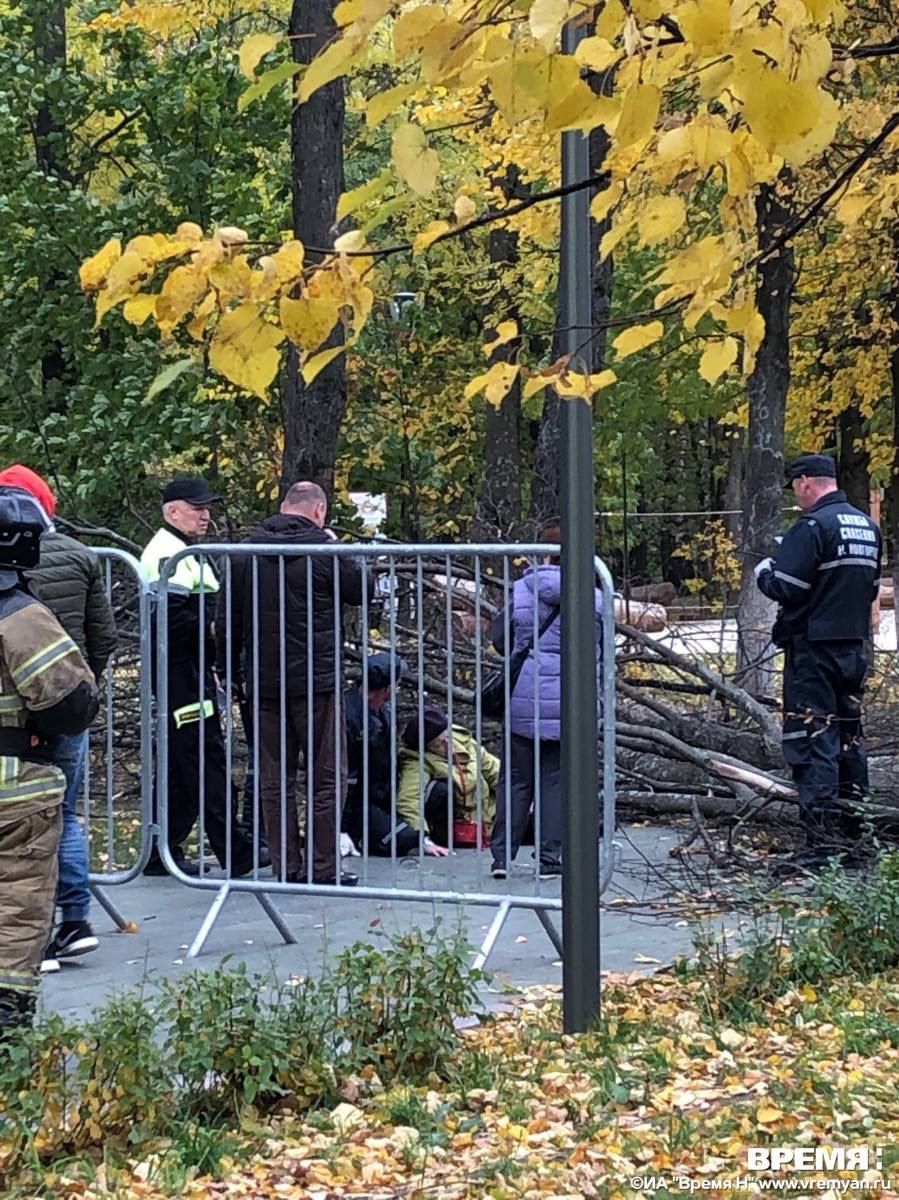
169	914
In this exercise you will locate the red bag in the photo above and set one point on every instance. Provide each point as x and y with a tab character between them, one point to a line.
465	835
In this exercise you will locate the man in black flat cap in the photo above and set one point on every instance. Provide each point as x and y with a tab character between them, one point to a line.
196	746
825	579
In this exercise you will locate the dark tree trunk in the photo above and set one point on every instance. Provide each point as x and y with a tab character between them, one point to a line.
48	25
854	459
768	386
545	487
499	513
313	415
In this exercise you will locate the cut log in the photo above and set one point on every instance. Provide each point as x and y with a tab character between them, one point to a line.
649	618
655	593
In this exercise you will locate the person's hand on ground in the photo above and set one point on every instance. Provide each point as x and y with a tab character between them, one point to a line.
433	850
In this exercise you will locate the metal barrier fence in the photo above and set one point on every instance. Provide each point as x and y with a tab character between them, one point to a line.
422	800
118	776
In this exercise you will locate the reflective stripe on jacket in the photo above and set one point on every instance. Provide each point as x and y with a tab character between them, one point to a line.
40	666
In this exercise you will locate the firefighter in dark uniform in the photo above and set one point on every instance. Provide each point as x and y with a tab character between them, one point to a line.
194	731
46	690
825	579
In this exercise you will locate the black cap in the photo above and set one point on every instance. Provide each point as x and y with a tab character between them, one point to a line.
820	466
194	491
379	670
434	721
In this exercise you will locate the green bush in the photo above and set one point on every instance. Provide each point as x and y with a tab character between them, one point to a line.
177	1069
848	926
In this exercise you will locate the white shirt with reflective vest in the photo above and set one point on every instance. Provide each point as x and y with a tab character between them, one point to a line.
191	575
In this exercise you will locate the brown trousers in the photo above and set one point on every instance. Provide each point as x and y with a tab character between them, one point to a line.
326	772
29	842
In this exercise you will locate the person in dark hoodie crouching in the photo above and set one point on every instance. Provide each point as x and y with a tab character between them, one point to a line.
307	637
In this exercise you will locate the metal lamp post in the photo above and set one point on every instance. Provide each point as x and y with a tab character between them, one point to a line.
580	861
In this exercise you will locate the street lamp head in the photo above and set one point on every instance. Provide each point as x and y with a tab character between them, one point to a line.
400	303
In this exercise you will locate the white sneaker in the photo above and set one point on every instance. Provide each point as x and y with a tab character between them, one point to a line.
49	966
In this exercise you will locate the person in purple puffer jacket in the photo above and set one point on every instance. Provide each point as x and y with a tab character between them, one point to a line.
535	718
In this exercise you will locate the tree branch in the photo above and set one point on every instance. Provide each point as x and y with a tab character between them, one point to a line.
488	218
845	176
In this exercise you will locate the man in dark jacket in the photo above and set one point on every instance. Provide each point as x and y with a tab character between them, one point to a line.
197	766
307	636
371	760
68	580
825	579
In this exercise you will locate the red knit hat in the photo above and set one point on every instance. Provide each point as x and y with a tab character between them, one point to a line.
29	481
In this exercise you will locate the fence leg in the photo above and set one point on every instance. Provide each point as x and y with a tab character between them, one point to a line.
551	932
215	908
112	912
492	934
274	915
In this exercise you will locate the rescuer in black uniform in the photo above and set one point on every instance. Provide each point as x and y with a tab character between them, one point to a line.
825	578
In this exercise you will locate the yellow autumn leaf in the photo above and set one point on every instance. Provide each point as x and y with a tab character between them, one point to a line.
638	338
495	382
253	49
659	218
534	385
138	308
93	271
793	118
612	237
382	104
575	384
416	164
768	1114
189	231
357	198
706	24
232	279
611	20
639	111
244	348
183	289
204	310
308	321
603	202
434	230
546	19
316	364
506	331
328	65
465	209
596	53
719	357
413	26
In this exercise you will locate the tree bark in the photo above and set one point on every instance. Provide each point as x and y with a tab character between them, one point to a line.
313	414
499	514
768	386
854	459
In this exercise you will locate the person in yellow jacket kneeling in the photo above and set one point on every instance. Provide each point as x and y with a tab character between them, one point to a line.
447	783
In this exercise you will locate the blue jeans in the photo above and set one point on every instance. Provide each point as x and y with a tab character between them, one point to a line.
72	893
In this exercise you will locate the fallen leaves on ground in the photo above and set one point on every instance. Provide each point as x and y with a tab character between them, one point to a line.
661	1088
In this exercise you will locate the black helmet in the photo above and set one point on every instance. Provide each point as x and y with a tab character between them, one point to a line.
22	521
